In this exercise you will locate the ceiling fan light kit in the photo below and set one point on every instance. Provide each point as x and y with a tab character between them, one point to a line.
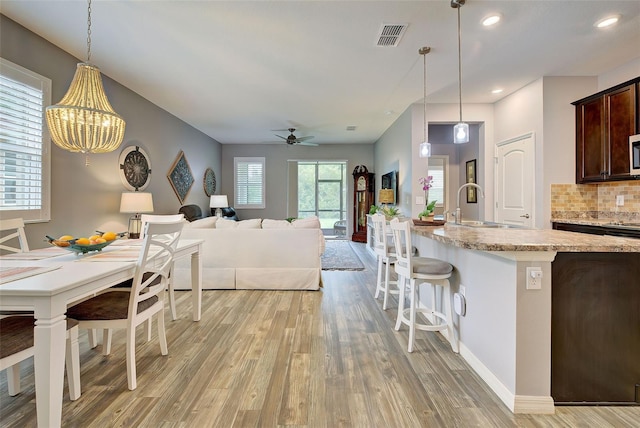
293	140
461	129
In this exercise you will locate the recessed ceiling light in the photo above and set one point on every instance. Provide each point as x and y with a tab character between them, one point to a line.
496	91
607	22
491	20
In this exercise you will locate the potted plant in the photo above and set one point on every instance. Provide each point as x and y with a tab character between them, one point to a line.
389	212
428	211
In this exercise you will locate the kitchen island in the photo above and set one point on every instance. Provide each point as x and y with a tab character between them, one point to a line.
506	334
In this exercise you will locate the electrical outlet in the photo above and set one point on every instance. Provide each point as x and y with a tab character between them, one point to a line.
462	290
419	200
620	200
534	278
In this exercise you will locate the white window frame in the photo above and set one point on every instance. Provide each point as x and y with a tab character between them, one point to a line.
241	184
445	179
42	213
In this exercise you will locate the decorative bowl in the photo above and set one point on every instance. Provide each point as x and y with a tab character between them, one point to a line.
82	249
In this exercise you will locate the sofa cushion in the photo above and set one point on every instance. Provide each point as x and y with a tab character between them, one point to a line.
306	223
254	223
268	223
203	223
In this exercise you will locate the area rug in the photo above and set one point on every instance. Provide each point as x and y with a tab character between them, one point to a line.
338	255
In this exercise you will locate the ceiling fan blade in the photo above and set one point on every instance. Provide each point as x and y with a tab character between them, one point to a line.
307	144
284	138
304	138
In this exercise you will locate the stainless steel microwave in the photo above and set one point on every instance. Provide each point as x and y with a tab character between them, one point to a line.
634	154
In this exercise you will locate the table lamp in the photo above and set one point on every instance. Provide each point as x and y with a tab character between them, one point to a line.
136	203
385	196
218	202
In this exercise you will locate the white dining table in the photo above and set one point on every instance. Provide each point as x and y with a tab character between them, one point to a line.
70	278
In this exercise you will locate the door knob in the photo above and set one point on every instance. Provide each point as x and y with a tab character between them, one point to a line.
525	216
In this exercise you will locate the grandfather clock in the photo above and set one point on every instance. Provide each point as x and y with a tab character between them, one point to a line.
363	185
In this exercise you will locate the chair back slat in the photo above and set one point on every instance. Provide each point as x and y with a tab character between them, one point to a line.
379	223
155	261
16	226
402	245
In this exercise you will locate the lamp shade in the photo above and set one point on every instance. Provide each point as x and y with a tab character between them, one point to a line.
218	201
385	196
136	202
84	121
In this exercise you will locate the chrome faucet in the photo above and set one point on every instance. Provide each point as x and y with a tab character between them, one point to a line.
458	214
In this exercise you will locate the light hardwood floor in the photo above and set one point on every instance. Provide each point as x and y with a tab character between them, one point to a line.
281	358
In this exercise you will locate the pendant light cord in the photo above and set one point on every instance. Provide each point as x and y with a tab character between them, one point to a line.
459	65
424	100
89	33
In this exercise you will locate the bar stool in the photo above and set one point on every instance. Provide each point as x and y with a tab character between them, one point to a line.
426	270
385	254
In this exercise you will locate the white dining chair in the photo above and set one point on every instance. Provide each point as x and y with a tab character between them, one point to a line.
414	271
165	219
15	227
17	345
126	308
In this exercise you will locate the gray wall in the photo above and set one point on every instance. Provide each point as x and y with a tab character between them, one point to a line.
276	168
86	198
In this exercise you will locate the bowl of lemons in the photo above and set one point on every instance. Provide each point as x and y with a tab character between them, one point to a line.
84	245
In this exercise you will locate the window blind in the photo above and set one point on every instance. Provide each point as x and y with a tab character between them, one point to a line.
23	148
249	183
436	170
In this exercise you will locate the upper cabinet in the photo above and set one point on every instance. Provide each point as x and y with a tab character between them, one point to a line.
604	122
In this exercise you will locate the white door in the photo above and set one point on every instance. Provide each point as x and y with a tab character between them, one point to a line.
515	181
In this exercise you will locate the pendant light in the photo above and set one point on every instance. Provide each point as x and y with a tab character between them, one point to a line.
461	130
84	121
425	146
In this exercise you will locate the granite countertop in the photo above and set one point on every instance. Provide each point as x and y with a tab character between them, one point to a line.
516	239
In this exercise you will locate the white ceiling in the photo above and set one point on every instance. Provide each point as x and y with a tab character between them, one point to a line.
237	70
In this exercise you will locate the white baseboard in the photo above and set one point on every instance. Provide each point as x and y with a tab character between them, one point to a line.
530	404
515	403
534	404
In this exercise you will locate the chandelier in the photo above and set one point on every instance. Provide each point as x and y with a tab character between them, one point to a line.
84	121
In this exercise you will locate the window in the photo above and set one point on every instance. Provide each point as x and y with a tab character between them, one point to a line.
249	185
438	169
322	191
24	144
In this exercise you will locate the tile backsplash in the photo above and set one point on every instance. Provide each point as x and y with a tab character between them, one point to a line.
596	201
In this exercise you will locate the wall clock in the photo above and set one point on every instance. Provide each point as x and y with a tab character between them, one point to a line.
135	168
209	182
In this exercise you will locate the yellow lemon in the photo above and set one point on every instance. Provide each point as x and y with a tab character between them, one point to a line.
109	236
94	237
82	241
99	241
65	238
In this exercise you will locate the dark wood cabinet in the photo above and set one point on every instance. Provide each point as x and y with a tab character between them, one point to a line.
604	122
595	328
363	198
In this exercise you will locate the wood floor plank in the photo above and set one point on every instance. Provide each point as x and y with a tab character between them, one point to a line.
327	358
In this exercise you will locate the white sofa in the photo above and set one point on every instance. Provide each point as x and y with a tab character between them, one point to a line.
255	254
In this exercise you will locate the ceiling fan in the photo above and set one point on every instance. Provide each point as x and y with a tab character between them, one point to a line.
292	139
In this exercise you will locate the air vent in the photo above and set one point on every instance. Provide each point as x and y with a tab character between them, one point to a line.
390	34
351	128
